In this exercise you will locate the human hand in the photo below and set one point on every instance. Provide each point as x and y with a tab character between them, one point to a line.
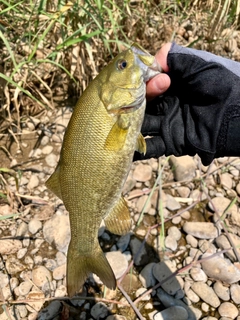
200	112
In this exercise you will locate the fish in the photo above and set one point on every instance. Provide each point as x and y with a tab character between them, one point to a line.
95	159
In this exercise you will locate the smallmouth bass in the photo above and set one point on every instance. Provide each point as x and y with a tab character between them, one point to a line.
96	156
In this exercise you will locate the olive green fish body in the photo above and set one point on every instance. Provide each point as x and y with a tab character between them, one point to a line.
97	151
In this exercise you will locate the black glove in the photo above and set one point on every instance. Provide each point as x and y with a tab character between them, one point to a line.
200	113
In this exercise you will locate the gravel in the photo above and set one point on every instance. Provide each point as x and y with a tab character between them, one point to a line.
34	244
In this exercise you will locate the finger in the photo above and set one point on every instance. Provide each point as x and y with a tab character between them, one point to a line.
151	125
157	85
161	56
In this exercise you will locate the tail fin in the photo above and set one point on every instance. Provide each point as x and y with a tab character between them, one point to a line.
79	267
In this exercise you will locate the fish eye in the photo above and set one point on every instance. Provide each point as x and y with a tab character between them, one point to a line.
121	64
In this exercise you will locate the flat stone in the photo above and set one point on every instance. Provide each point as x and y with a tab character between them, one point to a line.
60	272
25	287
201	230
163	270
33	182
123	242
175	233
140	257
171	203
220	204
141	203
183	191
51	160
226	180
206	293
170	243
221	269
198	274
173	313
183	167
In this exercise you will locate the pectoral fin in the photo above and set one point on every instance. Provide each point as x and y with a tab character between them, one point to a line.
116	138
53	183
141	144
118	221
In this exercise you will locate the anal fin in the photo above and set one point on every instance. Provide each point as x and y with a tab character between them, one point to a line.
53	183
141	144
118	221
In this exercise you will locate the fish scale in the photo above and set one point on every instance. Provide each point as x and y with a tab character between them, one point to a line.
96	156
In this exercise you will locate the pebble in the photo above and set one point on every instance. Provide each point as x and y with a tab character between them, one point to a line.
61	291
201	230
191	241
221	269
221	291
171	243
59	272
34	226
228	309
146	276
141	204
163	270
51	311
47	149
226	180
10	246
175	233
235	293
183	191
198	274
142	172
118	262
206	293
57	231
223	243
171	203
99	310
183	167
41	275
138	256
173	313
33	182
123	242
140	292
25	287
51	160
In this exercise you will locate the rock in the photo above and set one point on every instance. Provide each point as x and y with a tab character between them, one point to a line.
228	309
198	274
138	256
34	226
3	280
60	272
221	269
183	167
173	313
226	180
146	276
61	291
140	292
191	240
99	310
223	243
57	231
183	191
41	275
60	258
201	230
51	311
36	301
118	262
51	160
142	172
190	293
33	182
24	288
170	243
141	203
220	204
21	253
206	293
235	293
116	317
9	246
123	242
163	270
13	265
171	203
175	233
221	291
47	149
